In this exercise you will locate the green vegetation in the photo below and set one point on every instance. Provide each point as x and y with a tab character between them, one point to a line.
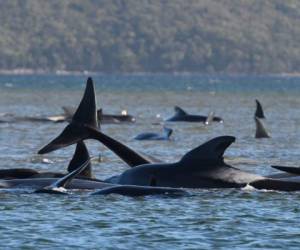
233	36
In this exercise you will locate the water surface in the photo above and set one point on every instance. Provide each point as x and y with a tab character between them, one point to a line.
233	218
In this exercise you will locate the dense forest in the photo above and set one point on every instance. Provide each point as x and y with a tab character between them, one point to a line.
207	36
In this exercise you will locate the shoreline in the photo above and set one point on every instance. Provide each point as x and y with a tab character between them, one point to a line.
21	72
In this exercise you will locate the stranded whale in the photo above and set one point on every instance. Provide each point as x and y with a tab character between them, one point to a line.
59	187
167	132
182	116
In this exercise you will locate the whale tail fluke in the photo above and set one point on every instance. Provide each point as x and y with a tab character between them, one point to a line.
86	112
210	153
261	132
84	126
80	156
259	110
85	115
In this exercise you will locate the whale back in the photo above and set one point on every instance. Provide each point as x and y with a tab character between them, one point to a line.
208	154
259	110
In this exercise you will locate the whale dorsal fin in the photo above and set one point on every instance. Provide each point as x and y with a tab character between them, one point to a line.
81	155
86	112
259	110
179	111
208	154
261	132
168	132
85	115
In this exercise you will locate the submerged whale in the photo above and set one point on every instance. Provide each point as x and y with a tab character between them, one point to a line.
202	167
183	116
167	132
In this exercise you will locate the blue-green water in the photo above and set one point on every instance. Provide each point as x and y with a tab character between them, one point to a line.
233	218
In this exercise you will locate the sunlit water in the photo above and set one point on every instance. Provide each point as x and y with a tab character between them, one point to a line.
208	219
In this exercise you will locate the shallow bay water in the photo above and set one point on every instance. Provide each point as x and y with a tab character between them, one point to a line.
232	218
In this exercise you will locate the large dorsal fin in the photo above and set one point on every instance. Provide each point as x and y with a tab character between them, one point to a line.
179	111
208	154
261	132
85	115
80	156
259	110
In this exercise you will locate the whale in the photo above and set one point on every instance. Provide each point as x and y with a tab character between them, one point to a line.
59	187
259	113
202	167
260	131
167	132
182	116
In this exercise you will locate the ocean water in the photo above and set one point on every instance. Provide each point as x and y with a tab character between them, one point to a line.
218	218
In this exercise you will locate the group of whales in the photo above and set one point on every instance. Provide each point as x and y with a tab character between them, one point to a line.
202	167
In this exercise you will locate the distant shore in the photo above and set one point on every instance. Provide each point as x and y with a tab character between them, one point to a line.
85	72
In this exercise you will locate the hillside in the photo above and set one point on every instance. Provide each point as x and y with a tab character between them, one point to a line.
223	36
